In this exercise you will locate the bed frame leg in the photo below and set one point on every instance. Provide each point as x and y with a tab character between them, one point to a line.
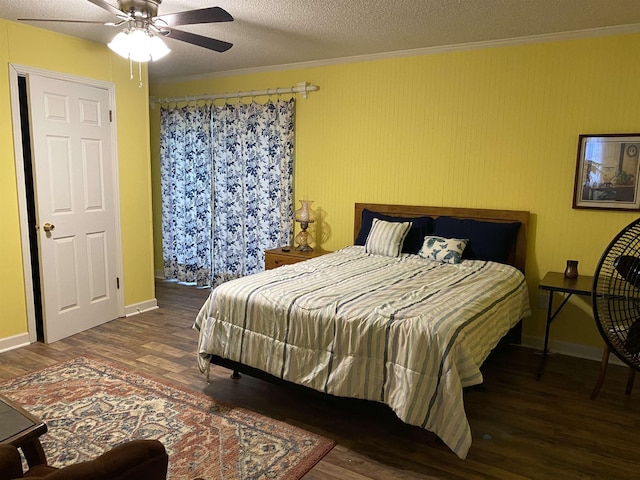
235	375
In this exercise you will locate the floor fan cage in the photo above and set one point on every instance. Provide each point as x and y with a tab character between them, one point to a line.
616	295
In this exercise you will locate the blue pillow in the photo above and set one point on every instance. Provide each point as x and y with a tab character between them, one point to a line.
420	227
487	240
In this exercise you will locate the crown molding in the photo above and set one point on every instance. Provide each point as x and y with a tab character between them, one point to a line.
542	38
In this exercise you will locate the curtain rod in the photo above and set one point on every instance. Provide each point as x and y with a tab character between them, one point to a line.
303	87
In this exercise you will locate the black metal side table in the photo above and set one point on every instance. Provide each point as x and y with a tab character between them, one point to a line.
556	282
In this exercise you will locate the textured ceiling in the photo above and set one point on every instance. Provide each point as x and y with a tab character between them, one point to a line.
279	32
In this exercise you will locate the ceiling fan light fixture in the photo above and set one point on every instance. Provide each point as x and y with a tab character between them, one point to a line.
158	48
120	44
139	45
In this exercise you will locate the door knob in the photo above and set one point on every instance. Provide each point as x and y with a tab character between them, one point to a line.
47	227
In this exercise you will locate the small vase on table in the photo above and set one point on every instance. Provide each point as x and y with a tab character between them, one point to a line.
572	269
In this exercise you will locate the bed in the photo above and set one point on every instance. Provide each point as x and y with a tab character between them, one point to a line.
397	318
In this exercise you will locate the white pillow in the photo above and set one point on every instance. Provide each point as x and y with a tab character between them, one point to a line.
386	238
440	249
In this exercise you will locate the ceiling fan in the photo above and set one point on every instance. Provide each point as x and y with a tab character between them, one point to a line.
140	19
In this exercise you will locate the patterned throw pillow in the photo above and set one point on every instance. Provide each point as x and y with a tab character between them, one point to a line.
386	238
440	249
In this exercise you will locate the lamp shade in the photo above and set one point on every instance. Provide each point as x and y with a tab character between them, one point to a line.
139	45
304	213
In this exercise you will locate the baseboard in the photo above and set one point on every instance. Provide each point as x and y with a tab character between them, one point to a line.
571	349
138	308
13	342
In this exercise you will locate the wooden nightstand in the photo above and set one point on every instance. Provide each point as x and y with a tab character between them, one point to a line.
277	257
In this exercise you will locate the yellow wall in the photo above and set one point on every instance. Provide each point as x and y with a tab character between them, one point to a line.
486	128
38	48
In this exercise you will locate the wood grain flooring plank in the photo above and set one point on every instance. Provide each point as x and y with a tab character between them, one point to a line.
522	428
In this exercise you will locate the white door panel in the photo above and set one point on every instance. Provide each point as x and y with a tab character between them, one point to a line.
74	171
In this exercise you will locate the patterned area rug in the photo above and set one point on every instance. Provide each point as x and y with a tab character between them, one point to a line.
92	405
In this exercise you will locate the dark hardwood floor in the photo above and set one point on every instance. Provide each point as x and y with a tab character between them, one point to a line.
522	428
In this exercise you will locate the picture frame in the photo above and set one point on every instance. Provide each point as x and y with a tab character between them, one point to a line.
608	172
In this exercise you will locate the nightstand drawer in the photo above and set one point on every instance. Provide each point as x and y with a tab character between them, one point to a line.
275	261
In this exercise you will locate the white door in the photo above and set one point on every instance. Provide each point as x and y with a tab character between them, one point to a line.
73	169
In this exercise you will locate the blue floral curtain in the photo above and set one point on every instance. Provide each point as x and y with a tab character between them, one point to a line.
185	170
248	178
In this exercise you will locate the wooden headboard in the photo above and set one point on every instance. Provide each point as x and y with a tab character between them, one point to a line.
517	256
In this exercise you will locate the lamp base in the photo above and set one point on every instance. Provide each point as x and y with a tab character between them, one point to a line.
303	238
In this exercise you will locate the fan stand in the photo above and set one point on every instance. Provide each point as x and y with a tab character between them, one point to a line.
603	373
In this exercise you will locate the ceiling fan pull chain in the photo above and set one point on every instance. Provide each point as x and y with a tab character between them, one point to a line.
139	75
130	69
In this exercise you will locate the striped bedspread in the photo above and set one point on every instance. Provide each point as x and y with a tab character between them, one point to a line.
404	331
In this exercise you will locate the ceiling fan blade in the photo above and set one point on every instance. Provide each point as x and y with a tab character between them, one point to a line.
210	43
108	7
64	21
192	17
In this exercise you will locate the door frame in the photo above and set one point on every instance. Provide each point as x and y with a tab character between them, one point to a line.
16	70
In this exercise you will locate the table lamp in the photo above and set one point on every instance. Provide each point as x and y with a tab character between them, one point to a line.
304	215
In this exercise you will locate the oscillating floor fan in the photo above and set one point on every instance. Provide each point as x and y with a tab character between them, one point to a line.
616	295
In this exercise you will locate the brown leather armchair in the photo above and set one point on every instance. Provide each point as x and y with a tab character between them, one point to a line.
134	460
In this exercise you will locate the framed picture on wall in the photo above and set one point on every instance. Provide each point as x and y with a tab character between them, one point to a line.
607	172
